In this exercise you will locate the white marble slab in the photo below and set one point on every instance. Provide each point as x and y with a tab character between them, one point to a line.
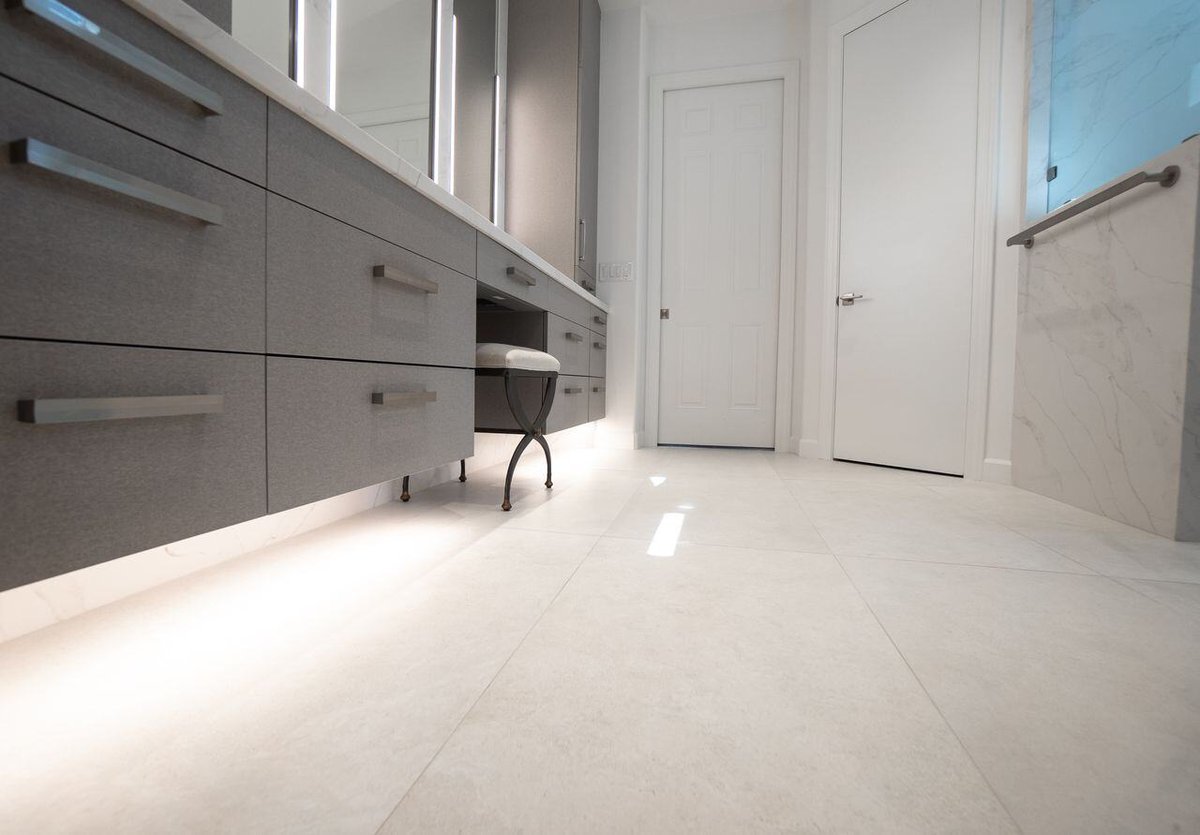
185	23
1107	375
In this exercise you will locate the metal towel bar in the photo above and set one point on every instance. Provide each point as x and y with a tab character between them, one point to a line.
1166	178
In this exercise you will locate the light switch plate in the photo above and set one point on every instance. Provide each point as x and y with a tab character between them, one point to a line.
614	271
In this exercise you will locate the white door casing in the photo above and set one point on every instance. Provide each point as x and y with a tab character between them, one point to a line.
909	129
722	175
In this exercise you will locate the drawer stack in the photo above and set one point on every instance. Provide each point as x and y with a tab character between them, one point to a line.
190	338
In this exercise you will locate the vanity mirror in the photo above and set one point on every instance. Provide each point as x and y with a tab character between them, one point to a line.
423	77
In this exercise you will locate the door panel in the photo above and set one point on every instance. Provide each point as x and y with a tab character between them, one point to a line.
909	113
722	169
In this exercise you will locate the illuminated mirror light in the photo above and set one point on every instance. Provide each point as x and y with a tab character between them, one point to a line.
666	537
333	54
437	91
453	94
300	30
496	150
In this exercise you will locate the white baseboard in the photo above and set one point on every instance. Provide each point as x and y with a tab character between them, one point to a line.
997	471
809	448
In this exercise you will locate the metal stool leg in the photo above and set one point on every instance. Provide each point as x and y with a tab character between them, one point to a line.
404	494
512	467
546	447
462	469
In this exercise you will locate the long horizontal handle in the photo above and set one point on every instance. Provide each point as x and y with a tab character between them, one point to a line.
513	272
573	337
414	281
599	389
573	390
599	346
38	154
84	410
599	320
403	398
74	24
1166	178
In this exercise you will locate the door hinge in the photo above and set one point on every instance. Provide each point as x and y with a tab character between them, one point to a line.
664	313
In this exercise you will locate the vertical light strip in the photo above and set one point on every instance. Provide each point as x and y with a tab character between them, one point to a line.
300	41
496	150
437	90
333	38
453	94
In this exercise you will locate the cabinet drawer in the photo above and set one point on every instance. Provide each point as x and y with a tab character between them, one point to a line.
64	61
599	355
324	298
511	274
315	169
596	399
326	436
84	262
79	493
570	402
597	320
569	343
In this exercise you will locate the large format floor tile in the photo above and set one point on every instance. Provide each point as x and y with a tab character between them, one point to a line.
720	690
1078	698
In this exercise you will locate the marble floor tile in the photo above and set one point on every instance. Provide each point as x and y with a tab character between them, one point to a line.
802	469
253	730
1076	696
912	522
719	690
740	512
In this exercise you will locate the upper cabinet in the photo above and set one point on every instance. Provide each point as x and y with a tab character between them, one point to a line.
553	131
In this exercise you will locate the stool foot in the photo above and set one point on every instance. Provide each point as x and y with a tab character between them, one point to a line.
404	494
507	506
462	470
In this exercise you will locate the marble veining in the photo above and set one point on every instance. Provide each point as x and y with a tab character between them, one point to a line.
1106	362
185	23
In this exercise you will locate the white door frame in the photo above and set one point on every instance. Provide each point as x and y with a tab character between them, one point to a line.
987	161
789	73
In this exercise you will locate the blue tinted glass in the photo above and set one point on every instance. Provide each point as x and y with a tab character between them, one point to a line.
1125	87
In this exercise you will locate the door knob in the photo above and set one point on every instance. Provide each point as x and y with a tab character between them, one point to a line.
847	299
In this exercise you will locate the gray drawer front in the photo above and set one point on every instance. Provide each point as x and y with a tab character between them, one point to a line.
599	352
596	398
325	437
83	263
318	171
570	305
570	409
324	301
494	264
43	56
569	343
76	494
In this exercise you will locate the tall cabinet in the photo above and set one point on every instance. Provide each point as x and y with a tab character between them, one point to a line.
553	131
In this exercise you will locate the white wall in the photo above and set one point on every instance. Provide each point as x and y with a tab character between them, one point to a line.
636	43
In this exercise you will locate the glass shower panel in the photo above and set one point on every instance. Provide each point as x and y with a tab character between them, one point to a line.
1124	87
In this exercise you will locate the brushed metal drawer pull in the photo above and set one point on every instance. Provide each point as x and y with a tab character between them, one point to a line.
573	337
38	154
599	346
403	398
599	389
74	24
84	410
573	390
413	281
599	320
513	272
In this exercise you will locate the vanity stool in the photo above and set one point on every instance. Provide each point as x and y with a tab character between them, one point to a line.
513	364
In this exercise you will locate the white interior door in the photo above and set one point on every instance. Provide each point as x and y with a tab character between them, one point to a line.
722	186
909	114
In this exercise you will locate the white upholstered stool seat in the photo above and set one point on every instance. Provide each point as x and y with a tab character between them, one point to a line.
496	355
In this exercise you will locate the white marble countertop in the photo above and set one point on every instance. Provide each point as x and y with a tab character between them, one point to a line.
187	24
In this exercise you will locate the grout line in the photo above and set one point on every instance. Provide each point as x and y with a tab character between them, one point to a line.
488	687
929	696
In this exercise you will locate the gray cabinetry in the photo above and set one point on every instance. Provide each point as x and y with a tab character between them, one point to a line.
553	131
511	274
316	170
85	262
337	426
85	491
154	84
569	343
596	399
335	291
